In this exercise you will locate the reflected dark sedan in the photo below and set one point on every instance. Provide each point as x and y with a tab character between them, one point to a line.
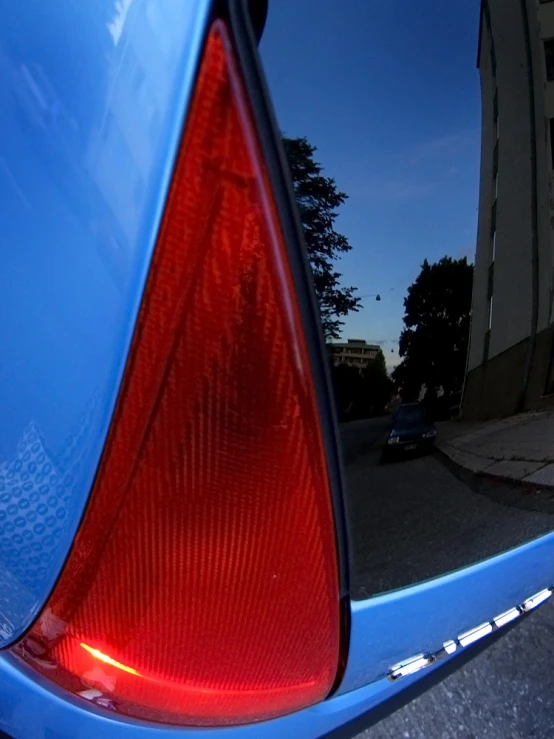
411	431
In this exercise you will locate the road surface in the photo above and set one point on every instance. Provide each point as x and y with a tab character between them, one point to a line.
413	520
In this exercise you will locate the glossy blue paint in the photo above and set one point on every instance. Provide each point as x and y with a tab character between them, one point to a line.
93	95
384	630
92	112
30	709
393	627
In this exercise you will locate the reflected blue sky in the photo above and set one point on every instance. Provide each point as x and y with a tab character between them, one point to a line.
389	94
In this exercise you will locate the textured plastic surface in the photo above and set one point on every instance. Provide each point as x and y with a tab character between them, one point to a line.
203	586
93	95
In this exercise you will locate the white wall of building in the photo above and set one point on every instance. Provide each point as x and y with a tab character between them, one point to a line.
512	284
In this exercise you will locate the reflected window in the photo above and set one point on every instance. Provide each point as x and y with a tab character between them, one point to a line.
404	201
549	58
551	126
490	287
487	338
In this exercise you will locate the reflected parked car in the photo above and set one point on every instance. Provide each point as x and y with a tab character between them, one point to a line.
411	431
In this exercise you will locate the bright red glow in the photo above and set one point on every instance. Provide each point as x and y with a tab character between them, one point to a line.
207	556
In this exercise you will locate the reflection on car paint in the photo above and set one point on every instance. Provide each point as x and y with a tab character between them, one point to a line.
91	117
420	661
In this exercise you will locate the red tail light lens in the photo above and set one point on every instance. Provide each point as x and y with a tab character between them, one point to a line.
202	587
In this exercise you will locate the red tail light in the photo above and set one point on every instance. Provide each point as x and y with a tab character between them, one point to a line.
202	586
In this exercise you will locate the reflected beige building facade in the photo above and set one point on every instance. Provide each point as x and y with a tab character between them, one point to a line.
511	343
354	353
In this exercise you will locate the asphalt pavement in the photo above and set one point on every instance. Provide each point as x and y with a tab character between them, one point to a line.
416	519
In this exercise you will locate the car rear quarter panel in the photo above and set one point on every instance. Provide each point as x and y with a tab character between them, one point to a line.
93	95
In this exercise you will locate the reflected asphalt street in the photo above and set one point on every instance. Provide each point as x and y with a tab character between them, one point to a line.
414	519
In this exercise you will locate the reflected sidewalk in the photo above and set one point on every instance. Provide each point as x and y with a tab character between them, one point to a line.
518	448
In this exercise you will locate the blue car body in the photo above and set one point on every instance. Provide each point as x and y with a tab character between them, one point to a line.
94	97
92	113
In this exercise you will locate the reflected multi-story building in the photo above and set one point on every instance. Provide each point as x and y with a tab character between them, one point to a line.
354	353
510	361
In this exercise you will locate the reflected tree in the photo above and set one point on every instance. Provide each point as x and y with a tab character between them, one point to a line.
434	341
362	393
318	200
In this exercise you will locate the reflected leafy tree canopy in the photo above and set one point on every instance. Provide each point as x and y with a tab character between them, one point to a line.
318	200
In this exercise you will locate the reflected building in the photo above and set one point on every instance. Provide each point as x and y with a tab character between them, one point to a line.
510	360
354	353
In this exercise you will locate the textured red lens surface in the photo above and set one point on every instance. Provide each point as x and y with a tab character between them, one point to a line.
203	587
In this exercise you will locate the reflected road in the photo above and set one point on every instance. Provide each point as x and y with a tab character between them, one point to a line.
413	519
